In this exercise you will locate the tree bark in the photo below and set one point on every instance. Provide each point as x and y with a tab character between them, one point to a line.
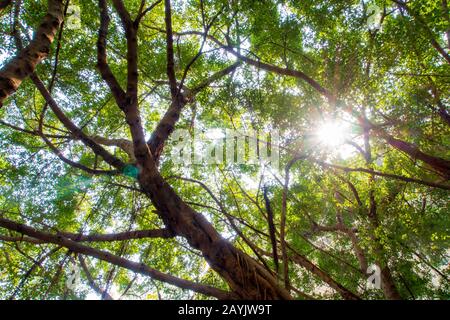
20	67
4	4
246	278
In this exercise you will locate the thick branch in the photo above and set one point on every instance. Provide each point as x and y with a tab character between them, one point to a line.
23	65
167	123
105	70
123	13
121	236
124	144
113	259
169	45
440	165
109	237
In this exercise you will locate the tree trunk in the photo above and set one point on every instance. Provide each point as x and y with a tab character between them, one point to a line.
387	282
388	286
246	278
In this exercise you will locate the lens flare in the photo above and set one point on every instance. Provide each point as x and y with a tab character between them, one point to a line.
332	134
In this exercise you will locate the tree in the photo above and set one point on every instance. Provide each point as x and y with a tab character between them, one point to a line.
89	167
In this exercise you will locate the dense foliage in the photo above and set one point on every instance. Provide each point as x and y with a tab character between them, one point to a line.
364	150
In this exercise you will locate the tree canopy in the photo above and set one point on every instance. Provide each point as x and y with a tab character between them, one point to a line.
96	203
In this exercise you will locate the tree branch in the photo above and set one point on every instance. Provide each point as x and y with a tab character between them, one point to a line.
23	65
76	132
113	259
273	239
167	123
91	281
386	175
102	64
4	4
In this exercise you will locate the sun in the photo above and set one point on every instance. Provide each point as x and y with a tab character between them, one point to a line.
332	134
